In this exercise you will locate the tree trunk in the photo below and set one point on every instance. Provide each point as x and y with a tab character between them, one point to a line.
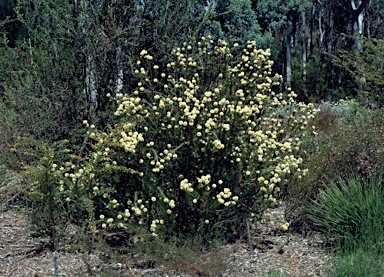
304	49
90	79
321	30
120	70
357	22
288	51
312	24
281	86
357	27
91	84
330	27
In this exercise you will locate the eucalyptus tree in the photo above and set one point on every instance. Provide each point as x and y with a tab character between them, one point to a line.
374	19
357	12
278	17
236	21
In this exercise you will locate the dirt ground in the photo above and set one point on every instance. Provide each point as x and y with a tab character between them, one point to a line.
21	254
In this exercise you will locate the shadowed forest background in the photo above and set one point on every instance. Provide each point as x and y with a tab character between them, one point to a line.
63	58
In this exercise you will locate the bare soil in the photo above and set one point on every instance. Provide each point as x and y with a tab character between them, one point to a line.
292	254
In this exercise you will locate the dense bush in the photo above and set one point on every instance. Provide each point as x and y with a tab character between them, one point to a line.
350	141
201	145
352	145
41	92
40	186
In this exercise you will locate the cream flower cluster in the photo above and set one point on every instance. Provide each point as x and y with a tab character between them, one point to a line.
204	180
127	104
130	140
185	116
185	185
155	223
224	197
217	145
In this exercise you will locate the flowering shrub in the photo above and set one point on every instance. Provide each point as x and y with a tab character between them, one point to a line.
55	197
198	146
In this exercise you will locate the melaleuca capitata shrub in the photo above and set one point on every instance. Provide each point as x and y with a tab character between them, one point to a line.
55	191
198	146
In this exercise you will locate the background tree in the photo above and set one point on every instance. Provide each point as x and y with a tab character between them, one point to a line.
282	17
237	22
63	59
374	19
357	12
368	64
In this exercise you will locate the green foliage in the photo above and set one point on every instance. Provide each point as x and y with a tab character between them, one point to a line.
272	15
349	141
52	208
14	31
367	69
168	23
199	147
6	132
359	263
39	81
58	75
323	81
353	144
7	193
352	211
237	22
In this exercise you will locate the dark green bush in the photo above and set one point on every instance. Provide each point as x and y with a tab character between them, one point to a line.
349	142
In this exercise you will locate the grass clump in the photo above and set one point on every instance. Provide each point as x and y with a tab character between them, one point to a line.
351	214
352	211
359	263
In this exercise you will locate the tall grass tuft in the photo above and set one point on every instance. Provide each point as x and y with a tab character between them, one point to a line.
352	210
